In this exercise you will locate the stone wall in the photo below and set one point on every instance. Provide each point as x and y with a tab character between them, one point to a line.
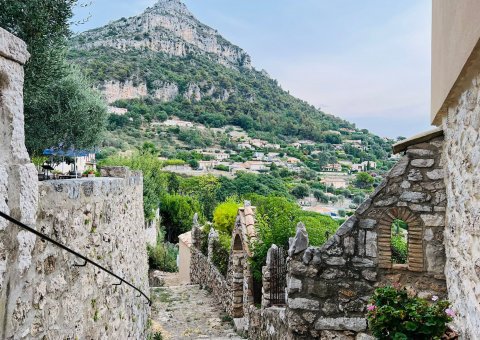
462	233
329	286
203	272
43	295
18	182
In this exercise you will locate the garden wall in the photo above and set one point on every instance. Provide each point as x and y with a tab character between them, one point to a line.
204	273
42	294
329	286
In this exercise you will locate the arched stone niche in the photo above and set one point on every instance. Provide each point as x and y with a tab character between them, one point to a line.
415	239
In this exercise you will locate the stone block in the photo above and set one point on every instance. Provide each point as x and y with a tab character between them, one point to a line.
344	323
386	201
415	175
415	197
335	261
363	262
294	285
334	335
422	163
420	207
433	220
300	241
367	223
347	226
370	275
349	245
12	47
399	168
436	174
371	243
303	303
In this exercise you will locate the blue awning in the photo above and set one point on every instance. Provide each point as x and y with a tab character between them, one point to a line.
67	153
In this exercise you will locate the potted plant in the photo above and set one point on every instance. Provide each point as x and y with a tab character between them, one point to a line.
393	314
90	172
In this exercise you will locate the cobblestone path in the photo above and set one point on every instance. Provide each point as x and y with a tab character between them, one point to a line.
187	312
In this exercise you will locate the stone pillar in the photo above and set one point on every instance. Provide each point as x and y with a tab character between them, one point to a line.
266	278
196	233
212	237
18	183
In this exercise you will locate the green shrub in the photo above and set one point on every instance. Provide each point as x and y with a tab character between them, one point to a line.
163	256
224	216
399	248
392	314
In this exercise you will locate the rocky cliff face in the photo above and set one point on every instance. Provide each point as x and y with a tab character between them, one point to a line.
166	27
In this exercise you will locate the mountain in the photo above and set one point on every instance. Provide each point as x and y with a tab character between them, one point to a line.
164	63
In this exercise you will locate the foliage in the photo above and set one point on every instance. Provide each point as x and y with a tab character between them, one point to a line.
364	180
221	253
162	256
222	167
177	214
224	216
399	241
61	108
277	218
154	181
392	314
300	191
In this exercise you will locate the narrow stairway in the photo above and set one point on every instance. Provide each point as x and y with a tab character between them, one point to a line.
187	312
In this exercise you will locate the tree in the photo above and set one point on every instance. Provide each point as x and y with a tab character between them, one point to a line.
364	180
66	113
177	215
224	216
320	196
193	163
300	191
61	108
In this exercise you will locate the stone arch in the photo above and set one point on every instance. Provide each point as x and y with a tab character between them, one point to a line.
238	257
237	243
415	239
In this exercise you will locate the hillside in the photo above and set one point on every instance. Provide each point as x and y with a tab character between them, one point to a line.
165	63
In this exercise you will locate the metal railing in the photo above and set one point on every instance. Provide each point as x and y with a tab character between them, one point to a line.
71	251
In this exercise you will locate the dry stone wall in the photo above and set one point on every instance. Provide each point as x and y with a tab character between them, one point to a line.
329	286
203	272
462	233
43	295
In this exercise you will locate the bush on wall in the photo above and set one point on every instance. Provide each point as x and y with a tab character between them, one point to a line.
393	314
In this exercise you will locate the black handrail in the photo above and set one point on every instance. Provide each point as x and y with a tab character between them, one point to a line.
86	259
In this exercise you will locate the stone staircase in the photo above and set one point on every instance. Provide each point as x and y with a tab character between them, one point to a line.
188	312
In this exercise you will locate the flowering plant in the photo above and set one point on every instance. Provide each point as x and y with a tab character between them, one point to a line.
392	314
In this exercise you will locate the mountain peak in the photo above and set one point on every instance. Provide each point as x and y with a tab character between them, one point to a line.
175	6
167	27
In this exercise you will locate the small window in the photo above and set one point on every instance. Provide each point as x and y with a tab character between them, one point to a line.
399	242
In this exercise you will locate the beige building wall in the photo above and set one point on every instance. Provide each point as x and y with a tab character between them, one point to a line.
456	32
184	257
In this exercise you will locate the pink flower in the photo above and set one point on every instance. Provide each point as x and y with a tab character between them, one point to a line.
434	298
450	312
371	308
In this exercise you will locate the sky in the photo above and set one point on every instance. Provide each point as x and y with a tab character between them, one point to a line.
367	61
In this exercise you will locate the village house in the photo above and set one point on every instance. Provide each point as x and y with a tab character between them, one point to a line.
335	167
256	165
335	182
258	156
244	146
